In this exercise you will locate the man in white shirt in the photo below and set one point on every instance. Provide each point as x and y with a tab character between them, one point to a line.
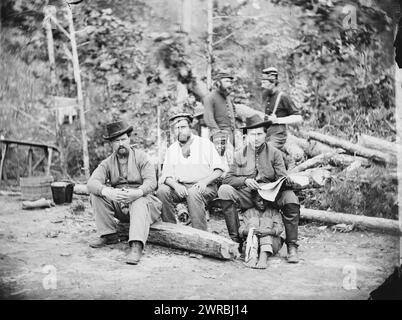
191	167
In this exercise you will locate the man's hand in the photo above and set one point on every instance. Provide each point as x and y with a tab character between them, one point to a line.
263	232
289	181
133	194
252	184
272	118
181	190
201	186
115	194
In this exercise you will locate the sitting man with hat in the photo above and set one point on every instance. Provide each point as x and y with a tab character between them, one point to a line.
219	110
279	108
258	162
190	169
122	186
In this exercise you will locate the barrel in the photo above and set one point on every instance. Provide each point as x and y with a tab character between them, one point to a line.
34	188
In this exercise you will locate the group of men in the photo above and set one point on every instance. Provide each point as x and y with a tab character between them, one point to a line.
125	185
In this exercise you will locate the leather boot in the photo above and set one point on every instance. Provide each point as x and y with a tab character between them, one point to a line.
135	254
232	220
105	240
290	218
292	253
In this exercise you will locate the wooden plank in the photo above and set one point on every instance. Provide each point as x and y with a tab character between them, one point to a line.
182	237
39	162
29	143
375	224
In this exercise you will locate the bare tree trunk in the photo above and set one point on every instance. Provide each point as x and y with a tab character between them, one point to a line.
209	43
398	117
80	99
186	15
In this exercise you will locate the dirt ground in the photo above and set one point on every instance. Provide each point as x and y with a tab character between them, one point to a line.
44	254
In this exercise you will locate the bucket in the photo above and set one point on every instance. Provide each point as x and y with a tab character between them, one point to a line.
62	192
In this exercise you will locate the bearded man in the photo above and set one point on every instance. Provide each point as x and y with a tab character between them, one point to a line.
219	110
190	170
121	187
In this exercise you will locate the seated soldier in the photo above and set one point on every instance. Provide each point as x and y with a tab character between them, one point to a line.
265	223
128	196
190	170
258	163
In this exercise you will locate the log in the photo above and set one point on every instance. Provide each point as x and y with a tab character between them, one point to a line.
332	158
313	162
310	147
352	148
10	193
345	160
377	144
182	237
294	151
375	224
316	176
41	203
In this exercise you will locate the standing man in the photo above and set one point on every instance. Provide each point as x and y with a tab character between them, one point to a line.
259	162
279	108
190	169
219	110
121	186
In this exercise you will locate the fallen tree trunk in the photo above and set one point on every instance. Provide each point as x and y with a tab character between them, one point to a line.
41	203
313	162
375	224
333	158
316	176
377	144
352	148
345	160
310	147
294	151
178	236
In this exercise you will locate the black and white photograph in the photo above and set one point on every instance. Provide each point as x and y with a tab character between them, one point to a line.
212	152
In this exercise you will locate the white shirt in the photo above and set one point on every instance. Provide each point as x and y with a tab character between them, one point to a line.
203	160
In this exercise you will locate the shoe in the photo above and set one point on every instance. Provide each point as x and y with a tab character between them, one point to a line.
292	254
105	240
135	254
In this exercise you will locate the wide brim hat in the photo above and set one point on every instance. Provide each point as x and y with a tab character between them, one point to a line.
270	71
182	115
223	75
116	129
255	121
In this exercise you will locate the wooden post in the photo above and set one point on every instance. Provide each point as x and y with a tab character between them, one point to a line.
398	117
3	156
158	116
49	160
80	99
30	156
209	43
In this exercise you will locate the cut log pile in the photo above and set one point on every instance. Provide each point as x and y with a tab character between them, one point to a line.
310	151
